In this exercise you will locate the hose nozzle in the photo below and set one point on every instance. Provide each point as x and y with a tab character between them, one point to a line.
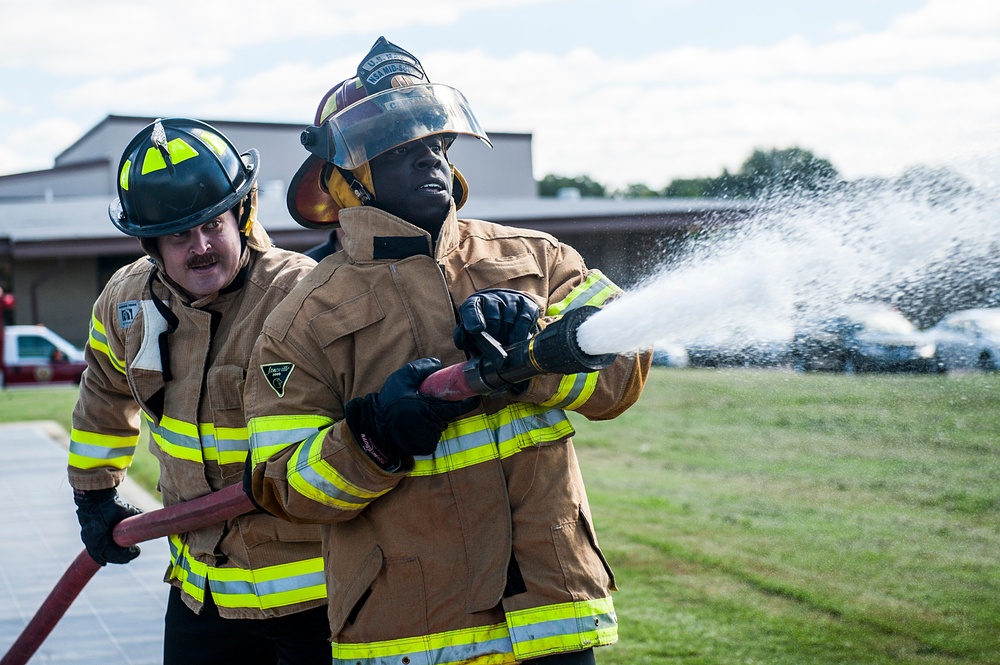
554	350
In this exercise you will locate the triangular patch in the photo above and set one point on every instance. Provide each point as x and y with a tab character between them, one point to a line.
277	376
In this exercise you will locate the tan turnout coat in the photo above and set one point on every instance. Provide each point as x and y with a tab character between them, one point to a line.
419	562
258	566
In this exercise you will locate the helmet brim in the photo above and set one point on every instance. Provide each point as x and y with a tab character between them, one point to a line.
308	202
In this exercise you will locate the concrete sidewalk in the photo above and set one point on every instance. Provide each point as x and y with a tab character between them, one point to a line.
118	618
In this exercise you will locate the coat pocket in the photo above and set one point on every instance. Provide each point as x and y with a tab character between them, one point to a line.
224	385
346	318
225	388
586	571
512	272
348	597
382	600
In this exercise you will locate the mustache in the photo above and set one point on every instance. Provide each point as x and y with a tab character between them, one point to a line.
202	260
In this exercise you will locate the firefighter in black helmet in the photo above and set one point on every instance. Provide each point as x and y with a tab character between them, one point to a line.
170	341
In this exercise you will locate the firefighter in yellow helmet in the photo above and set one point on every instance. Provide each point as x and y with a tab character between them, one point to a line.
169	344
454	531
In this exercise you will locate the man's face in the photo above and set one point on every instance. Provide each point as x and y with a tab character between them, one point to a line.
205	259
413	182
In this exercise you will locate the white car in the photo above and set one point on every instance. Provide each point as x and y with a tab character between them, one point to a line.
968	339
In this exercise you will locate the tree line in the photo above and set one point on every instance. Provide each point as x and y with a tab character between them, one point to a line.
765	171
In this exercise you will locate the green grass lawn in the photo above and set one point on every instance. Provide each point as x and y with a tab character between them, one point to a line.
56	404
767	517
772	517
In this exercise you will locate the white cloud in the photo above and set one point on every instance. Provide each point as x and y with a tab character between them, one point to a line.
104	37
33	147
950	17
846	28
923	89
170	88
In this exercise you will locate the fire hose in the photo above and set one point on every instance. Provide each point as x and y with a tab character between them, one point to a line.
552	351
188	516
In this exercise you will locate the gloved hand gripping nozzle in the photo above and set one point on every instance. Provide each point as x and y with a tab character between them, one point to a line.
554	350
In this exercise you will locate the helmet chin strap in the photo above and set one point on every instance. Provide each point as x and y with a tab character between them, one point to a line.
360	191
243	218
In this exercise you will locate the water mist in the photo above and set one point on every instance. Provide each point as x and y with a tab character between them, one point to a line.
914	242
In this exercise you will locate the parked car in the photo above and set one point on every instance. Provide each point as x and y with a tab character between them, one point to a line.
863	337
968	339
35	355
743	345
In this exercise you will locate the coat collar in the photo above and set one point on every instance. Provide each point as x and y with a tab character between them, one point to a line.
371	234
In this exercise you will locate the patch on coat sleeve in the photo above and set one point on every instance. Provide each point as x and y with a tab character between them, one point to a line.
127	311
277	375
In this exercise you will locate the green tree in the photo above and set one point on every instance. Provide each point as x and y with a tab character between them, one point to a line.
786	171
688	187
773	171
789	170
637	190
551	184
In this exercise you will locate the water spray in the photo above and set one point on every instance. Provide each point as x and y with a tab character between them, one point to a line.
554	350
927	244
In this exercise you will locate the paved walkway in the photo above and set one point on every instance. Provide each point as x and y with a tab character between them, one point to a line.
118	618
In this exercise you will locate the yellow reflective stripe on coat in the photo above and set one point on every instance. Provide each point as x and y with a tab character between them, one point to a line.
573	626
595	290
99	343
574	390
262	588
316	479
224	445
481	438
530	633
176	438
484	645
272	434
466	442
91	450
199	443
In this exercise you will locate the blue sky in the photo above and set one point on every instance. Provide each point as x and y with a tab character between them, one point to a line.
624	91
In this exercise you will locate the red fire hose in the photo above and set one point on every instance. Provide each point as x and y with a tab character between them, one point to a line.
188	516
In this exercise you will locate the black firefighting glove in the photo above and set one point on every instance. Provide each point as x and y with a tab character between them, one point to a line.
506	315
398	422
99	511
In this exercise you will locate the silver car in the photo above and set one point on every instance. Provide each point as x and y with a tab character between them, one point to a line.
863	337
968	339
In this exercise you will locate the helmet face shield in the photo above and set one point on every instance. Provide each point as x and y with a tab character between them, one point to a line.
380	122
